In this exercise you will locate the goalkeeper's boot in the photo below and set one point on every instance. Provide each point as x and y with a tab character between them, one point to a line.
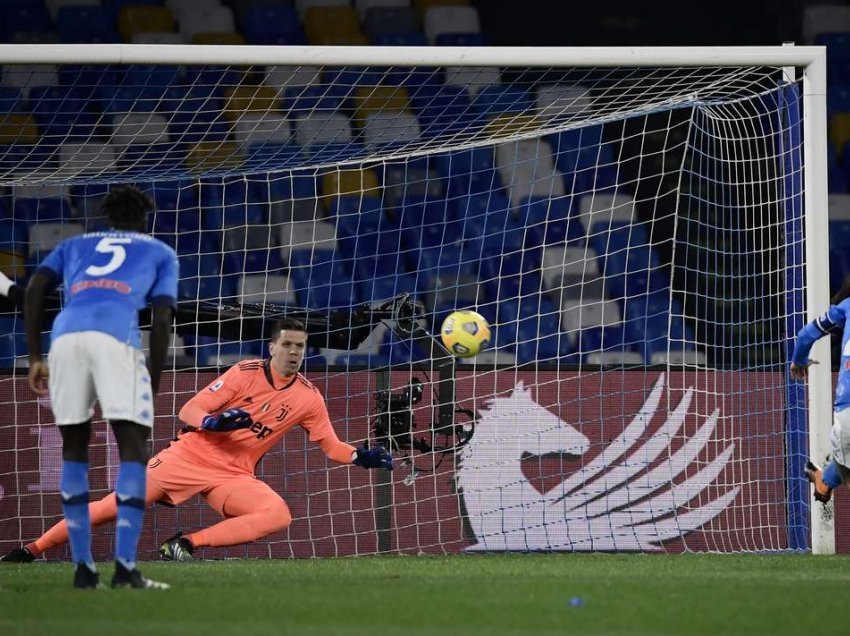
86	579
18	555
823	493
124	578
177	548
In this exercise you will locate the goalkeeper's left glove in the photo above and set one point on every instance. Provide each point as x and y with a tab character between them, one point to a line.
226	421
378	457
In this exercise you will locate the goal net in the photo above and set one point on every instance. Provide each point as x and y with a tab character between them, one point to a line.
634	235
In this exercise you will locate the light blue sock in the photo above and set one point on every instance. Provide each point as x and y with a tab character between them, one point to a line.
831	475
75	505
130	493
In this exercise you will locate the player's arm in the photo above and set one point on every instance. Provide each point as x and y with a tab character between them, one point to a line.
320	429
209	409
42	282
832	321
161	318
11	290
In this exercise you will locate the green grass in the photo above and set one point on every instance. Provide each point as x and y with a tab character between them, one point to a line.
414	596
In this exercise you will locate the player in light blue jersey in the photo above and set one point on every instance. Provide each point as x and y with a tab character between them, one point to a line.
834	321
95	354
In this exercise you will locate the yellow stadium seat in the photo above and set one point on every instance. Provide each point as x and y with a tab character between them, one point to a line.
242	99
422	6
142	18
13	264
323	21
218	38
839	131
214	155
343	39
372	99
511	124
18	129
350	182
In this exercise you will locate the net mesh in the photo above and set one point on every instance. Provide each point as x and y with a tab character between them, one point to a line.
625	232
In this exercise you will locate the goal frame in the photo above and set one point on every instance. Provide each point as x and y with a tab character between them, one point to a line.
816	405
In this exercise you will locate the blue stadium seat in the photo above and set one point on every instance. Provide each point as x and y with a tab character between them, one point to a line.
400	39
61	112
127	99
86	24
272	156
489	226
547	222
500	99
13	236
378	278
264	24
323	285
92	79
444	111
41	210
349	77
461	39
25	17
305	99
839	235
332	152
158	76
837	58
11	100
837	179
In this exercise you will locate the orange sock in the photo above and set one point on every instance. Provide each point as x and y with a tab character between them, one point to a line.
99	512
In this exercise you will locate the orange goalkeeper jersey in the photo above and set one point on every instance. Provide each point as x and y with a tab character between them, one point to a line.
275	404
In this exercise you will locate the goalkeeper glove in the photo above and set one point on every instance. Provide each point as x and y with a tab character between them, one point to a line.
228	420
378	457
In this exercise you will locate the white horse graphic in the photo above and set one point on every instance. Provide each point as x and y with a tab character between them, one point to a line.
623	499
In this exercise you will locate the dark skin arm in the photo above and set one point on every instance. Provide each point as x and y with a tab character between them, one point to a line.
161	317
40	284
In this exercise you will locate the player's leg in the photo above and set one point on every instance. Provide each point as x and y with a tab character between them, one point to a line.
123	389
100	512
252	510
836	472
72	399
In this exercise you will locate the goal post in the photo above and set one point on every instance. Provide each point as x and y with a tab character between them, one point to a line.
644	228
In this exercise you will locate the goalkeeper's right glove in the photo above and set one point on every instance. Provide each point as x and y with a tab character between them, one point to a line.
229	420
378	457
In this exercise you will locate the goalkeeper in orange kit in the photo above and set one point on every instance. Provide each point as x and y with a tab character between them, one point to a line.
232	423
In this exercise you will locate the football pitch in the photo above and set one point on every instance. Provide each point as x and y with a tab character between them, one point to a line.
536	594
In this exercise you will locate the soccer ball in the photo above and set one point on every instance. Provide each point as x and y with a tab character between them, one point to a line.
465	333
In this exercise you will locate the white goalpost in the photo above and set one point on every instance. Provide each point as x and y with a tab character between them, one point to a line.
645	230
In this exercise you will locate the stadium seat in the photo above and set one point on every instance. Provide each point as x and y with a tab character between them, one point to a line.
390	129
400	39
824	18
26	77
381	21
445	111
323	128
450	19
86	158
579	314
158	37
303	5
249	99
11	100
263	23
43	237
567	268
32	16
562	101
368	100
837	59
315	235
473	79
214	155
350	181
547	222
133	19
148	129
54	7
253	127
327	21
206	20
41	209
499	99
364	6
461	39
91	23
219	38
605	208
178	7
281	78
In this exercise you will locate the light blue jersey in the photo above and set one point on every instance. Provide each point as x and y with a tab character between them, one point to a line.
833	321
108	277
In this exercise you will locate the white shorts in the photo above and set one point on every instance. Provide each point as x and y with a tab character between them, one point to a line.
839	437
89	365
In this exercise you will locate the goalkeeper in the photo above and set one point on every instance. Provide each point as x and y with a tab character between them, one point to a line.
834	321
232	423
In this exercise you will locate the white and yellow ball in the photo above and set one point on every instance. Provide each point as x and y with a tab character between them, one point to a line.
465	333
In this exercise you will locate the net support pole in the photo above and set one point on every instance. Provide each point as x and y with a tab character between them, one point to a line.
816	219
